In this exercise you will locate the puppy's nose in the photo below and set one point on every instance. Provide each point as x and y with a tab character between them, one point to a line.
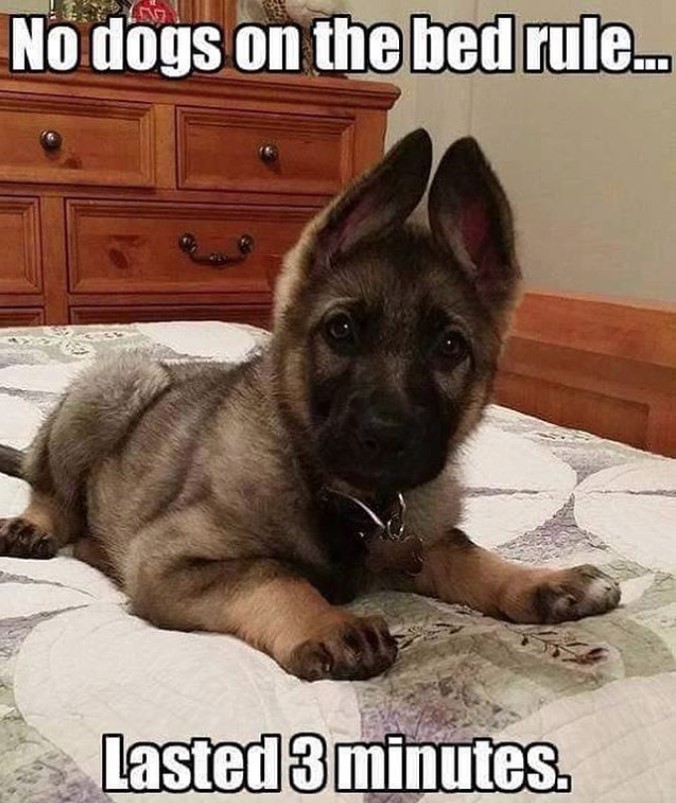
380	434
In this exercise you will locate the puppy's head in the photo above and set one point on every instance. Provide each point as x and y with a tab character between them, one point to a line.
387	336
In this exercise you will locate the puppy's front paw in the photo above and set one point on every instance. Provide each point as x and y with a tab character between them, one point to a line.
353	649
20	538
575	593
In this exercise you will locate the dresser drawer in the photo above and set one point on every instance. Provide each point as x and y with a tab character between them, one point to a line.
255	314
62	141
20	264
260	151
125	247
15	317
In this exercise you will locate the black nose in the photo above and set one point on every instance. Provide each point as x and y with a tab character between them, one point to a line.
383	434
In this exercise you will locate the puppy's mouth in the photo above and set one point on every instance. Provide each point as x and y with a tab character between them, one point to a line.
345	460
379	445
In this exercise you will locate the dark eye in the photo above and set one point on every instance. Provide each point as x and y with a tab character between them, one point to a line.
339	329
452	347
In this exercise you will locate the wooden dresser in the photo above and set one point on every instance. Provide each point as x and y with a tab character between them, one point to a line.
137	198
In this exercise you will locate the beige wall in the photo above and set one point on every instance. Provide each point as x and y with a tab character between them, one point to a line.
589	161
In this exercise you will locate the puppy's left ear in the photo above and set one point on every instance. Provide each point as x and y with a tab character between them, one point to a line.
374	205
379	201
470	216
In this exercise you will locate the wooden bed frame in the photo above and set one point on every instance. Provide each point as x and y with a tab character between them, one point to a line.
606	366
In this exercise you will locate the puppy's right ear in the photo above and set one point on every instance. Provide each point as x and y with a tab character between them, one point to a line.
379	201
470	216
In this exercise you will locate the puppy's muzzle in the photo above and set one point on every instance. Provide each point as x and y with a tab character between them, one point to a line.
382	432
380	436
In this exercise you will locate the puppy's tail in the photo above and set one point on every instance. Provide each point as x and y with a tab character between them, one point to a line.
11	461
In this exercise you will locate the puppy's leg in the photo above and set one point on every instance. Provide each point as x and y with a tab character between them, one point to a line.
289	619
272	610
48	523
263	603
92	418
90	551
39	532
456	570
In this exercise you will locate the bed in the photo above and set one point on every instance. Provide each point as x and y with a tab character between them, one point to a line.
74	663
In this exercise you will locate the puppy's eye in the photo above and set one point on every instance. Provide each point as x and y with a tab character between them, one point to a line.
452	347
339	329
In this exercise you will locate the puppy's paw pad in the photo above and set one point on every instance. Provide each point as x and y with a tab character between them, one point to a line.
356	649
19	538
575	593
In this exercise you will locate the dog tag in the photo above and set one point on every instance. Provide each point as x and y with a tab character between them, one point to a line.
395	556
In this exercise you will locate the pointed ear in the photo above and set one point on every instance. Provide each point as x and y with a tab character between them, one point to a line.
373	205
379	201
470	216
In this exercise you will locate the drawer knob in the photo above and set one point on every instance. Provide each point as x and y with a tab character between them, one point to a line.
269	153
188	244
51	140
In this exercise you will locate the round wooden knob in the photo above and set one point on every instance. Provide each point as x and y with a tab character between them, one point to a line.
51	140
268	153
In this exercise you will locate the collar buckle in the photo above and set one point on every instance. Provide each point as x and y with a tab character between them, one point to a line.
393	529
396	524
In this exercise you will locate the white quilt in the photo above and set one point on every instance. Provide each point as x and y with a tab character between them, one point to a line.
74	664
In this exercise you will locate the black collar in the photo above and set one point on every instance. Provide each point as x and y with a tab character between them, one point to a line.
382	517
379	528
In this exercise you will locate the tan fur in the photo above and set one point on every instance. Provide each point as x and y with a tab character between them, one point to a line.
89	551
295	268
43	512
457	571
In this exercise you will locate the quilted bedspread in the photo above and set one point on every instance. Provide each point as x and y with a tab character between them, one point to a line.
75	664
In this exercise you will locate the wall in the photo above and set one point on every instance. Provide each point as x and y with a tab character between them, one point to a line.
589	161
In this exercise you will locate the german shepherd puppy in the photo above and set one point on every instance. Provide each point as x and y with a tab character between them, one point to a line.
254	500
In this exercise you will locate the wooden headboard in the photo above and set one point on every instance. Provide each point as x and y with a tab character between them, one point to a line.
602	365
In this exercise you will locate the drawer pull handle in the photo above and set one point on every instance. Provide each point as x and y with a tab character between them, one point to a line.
51	140
269	154
188	244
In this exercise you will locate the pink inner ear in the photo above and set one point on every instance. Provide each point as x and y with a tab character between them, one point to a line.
474	230
355	220
348	231
476	236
